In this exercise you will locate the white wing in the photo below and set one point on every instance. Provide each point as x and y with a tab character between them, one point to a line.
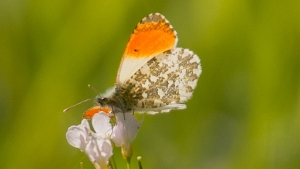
152	36
164	82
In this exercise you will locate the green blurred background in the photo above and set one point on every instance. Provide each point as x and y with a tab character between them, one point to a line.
245	112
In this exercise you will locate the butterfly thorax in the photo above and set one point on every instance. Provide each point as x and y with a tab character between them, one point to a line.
120	99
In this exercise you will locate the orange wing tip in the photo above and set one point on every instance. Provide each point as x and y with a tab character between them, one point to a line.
94	110
153	35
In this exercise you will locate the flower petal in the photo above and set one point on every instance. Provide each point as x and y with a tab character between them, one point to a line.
99	151
78	136
102	125
126	129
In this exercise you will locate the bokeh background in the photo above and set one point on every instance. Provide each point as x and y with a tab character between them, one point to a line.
245	112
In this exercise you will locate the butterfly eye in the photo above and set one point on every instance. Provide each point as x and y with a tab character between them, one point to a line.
102	101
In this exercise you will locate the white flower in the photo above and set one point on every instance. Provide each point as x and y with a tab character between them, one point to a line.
79	136
99	151
97	146
125	132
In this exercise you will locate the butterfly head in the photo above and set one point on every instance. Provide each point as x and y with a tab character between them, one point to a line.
102	101
109	99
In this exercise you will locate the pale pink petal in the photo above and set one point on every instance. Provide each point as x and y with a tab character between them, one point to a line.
126	129
79	136
99	151
102	125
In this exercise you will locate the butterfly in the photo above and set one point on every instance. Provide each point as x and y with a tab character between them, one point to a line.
154	75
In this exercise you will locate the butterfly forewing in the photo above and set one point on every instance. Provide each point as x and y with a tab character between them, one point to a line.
152	36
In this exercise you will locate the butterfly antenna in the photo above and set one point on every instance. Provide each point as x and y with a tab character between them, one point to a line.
91	87
65	110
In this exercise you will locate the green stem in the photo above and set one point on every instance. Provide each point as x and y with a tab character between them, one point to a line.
139	158
112	162
128	163
128	166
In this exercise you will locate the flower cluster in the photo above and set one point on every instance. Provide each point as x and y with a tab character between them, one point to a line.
97	144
